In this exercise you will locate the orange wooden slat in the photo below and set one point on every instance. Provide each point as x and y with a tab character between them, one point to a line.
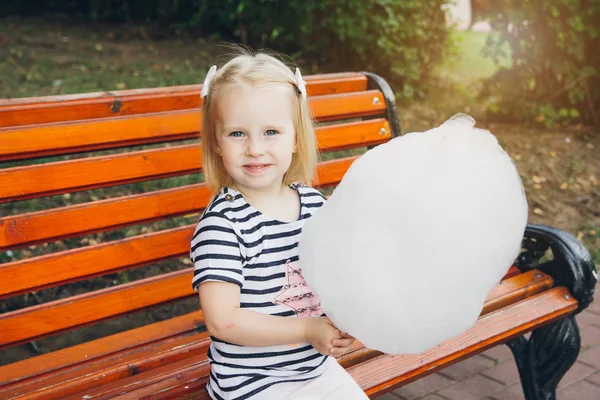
58	361
377	376
76	220
159	382
353	105
516	288
385	373
73	137
357	354
343	82
42	320
39	110
64	138
353	134
331	172
110	369
70	221
41	272
21	183
513	271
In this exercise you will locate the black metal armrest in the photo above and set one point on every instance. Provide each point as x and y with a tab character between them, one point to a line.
571	265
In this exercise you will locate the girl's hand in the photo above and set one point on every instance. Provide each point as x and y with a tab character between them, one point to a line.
320	333
342	344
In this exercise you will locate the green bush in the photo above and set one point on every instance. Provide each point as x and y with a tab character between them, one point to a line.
555	73
400	40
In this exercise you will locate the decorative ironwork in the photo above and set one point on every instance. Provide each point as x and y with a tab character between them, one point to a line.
571	265
545	358
551	350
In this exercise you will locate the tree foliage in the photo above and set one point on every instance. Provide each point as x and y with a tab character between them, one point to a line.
555	73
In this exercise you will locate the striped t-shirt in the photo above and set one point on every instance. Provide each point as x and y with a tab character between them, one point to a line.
234	242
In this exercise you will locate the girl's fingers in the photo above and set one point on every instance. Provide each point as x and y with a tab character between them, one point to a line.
342	342
337	351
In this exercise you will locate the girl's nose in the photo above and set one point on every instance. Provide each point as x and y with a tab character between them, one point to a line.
255	147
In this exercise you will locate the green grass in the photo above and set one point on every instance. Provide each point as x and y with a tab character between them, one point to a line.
457	81
470	64
50	60
34	77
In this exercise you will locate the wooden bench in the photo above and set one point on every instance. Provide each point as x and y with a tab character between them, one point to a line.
82	149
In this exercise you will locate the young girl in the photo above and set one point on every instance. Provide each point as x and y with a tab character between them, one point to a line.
270	339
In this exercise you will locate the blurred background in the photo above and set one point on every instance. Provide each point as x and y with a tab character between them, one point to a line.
527	70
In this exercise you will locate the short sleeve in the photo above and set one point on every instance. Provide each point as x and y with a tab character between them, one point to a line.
215	252
312	200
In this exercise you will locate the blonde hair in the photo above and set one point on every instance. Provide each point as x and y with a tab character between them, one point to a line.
263	69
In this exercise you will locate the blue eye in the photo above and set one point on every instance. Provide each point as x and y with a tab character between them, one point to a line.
237	134
271	132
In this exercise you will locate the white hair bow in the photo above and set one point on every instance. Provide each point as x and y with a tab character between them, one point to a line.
300	83
206	85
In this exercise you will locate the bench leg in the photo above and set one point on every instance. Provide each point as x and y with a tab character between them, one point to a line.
546	356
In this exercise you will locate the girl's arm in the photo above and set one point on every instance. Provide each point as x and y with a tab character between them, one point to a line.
225	320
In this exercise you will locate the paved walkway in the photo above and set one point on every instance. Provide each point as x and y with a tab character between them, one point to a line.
492	375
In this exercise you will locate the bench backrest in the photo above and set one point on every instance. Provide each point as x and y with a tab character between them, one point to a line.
121	172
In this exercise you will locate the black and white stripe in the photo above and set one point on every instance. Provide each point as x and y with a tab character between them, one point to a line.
233	242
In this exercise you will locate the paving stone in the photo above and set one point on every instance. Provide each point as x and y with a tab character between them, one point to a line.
594	307
577	372
473	388
590	337
587	318
424	386
468	367
505	372
389	396
594	378
583	390
432	397
499	353
514	392
591	357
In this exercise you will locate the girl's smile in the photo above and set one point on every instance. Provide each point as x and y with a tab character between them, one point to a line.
256	168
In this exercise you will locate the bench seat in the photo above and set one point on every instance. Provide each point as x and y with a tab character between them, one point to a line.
102	145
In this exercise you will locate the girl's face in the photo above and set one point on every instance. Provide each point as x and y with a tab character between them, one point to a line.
255	134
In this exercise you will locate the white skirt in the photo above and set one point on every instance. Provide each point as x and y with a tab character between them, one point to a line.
334	384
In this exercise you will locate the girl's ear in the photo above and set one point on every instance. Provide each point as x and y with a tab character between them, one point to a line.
218	151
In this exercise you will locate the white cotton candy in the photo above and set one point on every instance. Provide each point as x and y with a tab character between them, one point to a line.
420	229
